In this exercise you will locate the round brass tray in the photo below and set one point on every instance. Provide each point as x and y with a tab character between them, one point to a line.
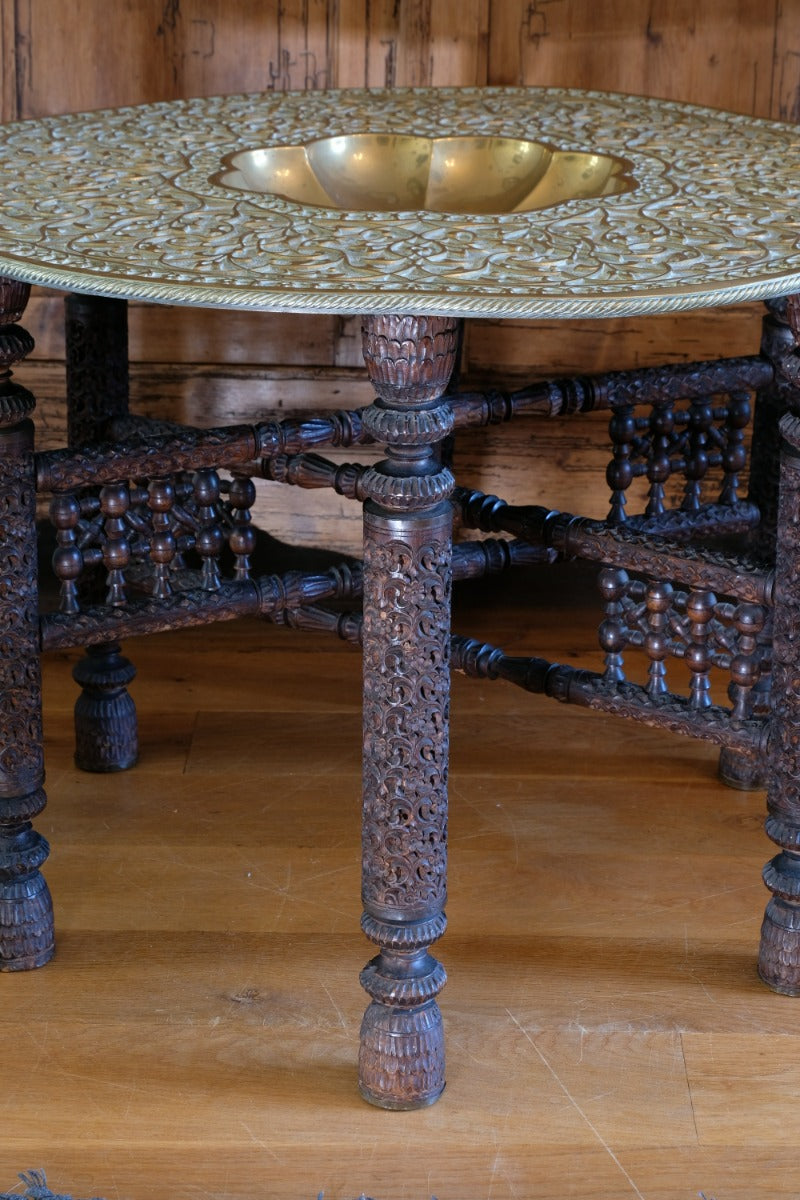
153	203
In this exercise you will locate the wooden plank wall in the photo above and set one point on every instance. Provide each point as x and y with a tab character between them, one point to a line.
743	55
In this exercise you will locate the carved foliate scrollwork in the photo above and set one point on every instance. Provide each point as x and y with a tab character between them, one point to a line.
406	707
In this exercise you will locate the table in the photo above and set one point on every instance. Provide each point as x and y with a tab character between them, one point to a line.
415	208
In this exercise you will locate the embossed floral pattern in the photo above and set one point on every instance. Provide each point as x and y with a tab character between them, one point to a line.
125	203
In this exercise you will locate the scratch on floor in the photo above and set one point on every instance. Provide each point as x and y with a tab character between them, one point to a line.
503	819
257	1141
336	1008
689	1088
575	1105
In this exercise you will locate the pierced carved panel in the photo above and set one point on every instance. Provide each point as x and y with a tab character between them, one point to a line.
406	709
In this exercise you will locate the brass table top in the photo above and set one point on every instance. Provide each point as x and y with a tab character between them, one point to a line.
157	203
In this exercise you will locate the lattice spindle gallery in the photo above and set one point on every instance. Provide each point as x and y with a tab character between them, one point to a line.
749	621
620	472
734	450
700	423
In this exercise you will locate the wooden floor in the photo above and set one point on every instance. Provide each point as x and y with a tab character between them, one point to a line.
196	1034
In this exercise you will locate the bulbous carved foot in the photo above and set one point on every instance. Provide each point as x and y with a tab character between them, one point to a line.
779	953
742	770
26	910
106	737
401	1061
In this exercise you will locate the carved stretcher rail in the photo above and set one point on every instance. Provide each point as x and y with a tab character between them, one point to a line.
580	537
197	606
559	396
590	689
192	449
709	521
565	395
266	596
569	685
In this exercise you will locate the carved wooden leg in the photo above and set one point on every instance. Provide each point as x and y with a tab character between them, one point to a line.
105	715
407	579
97	365
737	768
106	735
779	957
26	912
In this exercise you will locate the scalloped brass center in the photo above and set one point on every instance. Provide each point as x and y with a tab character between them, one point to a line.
379	172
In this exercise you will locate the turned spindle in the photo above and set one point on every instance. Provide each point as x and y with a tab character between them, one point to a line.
659	467
620	472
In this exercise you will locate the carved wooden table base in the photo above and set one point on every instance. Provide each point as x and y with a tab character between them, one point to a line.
669	598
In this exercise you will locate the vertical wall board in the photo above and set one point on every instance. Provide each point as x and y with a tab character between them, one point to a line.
368	42
84	55
128	53
559	347
306	39
718	53
352	44
785	105
414	44
162	334
8	61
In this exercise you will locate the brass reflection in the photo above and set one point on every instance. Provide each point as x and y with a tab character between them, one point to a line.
375	172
